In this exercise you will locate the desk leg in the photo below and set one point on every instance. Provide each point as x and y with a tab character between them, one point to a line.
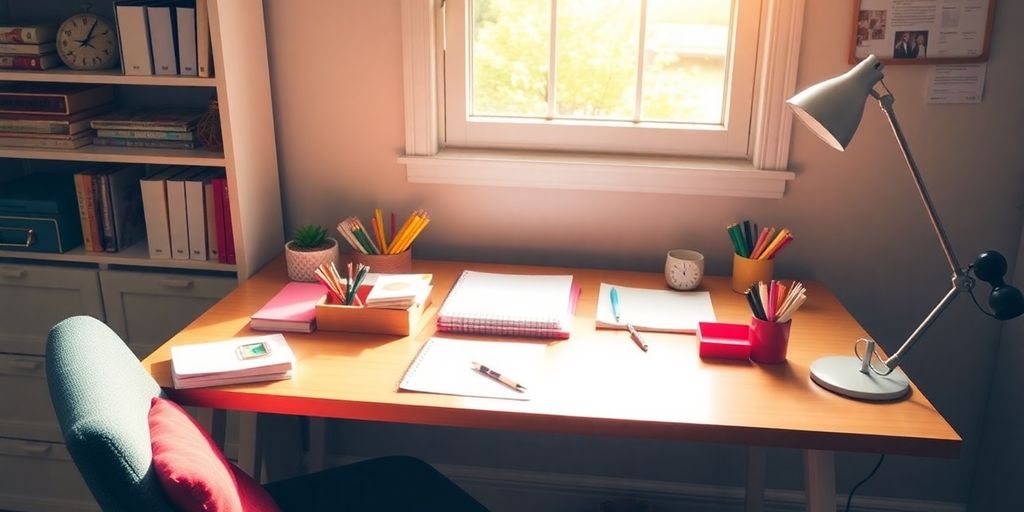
757	460
820	480
317	444
248	447
215	422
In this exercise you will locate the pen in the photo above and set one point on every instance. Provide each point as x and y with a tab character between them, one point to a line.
499	377
633	333
615	304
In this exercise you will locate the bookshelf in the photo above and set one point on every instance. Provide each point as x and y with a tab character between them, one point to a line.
144	300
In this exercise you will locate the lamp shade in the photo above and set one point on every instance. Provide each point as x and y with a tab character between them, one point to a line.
832	109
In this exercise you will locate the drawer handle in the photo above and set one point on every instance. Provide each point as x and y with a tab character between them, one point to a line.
26	364
13	272
30	237
34	448
176	283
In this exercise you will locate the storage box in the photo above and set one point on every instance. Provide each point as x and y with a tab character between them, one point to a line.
39	213
727	341
335	317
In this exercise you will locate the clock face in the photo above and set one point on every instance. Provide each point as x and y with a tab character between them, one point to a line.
684	275
87	41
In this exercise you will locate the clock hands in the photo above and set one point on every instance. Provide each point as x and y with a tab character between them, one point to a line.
87	40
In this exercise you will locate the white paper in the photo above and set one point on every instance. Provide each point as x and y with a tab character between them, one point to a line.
917	29
654	310
445	366
956	83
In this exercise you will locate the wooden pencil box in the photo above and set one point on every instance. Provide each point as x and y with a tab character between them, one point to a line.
336	317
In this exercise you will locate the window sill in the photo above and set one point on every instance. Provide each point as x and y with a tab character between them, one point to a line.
703	177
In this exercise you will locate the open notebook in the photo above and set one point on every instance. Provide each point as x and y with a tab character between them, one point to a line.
445	366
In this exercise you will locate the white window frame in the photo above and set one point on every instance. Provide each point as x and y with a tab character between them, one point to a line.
760	172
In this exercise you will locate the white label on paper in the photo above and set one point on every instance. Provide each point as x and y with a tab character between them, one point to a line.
956	83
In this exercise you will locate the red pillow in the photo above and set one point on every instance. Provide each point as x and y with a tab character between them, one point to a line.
192	470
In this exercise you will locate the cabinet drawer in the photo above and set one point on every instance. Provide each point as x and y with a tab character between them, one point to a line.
41	476
33	298
147	308
27	412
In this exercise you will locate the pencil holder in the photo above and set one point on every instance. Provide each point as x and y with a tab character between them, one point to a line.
746	271
400	263
769	341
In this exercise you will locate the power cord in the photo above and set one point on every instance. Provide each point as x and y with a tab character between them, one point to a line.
871	474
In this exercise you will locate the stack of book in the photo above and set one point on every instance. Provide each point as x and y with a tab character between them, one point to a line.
188	215
45	115
538	306
28	46
235	361
148	128
398	291
110	207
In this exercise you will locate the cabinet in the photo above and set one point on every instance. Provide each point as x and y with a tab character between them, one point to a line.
145	300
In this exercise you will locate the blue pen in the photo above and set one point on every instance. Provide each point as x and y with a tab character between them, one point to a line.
633	333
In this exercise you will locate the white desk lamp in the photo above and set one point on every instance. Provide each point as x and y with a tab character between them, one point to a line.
832	110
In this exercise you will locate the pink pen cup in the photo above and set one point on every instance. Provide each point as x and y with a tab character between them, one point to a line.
768	341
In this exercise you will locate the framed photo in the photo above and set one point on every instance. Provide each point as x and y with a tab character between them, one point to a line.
922	31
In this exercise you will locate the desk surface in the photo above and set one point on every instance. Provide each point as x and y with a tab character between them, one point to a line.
595	383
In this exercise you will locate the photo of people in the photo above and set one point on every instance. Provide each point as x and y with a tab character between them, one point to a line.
870	25
910	45
920	49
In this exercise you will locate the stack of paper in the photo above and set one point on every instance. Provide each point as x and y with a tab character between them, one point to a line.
445	366
654	310
540	306
399	291
235	361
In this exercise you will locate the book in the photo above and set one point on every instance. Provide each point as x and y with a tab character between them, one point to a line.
162	30
654	310
47	123
397	291
27	49
228	249
82	139
133	37
144	143
33	33
51	98
236	361
105	215
445	366
154	205
502	303
159	119
187	59
145	134
47	136
126	209
291	309
83	191
50	60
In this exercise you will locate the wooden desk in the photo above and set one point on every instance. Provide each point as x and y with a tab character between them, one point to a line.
595	383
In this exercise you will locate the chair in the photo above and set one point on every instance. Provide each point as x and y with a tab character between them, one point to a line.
102	397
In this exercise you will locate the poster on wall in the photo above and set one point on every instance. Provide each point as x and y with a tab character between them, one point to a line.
922	31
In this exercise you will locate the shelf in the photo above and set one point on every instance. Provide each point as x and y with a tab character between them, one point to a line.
93	153
112	76
136	256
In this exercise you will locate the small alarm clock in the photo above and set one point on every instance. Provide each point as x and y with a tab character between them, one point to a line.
684	269
87	41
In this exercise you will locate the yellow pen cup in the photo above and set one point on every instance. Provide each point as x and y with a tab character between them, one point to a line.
746	271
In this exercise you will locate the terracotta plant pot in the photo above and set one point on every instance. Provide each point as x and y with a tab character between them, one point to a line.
302	264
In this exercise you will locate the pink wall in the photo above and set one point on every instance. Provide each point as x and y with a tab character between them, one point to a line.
336	71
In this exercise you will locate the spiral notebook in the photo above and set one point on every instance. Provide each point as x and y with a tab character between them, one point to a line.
510	305
445	366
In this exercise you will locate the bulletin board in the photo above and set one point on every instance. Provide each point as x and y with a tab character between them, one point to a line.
922	31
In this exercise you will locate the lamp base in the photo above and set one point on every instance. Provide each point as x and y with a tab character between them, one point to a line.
842	375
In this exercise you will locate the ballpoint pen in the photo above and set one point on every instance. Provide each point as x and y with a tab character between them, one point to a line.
499	377
633	333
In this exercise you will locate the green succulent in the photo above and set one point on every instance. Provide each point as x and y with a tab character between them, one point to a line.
310	236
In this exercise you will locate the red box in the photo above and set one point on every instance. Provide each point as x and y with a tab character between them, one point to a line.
727	341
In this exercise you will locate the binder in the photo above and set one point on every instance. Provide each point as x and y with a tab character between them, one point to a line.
204	49
195	212
186	20
162	30
177	213
214	235
133	35
154	206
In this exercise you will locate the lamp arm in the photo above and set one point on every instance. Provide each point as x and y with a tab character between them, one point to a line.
894	360
886	101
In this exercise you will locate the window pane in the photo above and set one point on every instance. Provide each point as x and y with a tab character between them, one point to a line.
684	60
510	54
596	51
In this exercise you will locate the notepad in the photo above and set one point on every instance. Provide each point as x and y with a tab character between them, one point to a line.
509	304
291	309
445	366
654	310
235	361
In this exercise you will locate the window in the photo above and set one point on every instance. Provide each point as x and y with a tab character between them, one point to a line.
624	76
633	95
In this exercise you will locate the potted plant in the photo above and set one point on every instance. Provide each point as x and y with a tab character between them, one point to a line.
307	250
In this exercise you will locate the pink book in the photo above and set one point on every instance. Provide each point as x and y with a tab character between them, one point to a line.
293	309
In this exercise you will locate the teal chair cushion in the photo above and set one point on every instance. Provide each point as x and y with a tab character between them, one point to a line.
102	397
